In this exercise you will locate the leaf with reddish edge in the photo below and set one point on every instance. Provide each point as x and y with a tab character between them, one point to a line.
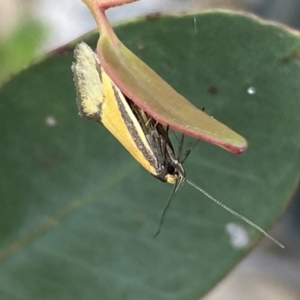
151	93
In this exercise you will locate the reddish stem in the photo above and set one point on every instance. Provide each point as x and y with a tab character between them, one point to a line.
97	8
105	4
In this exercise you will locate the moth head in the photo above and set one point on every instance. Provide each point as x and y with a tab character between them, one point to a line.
174	172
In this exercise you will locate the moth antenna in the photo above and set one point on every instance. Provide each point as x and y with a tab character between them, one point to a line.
162	219
233	212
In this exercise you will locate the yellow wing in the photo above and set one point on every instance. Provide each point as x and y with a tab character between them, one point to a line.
98	98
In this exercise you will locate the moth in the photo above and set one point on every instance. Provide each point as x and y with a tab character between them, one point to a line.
99	99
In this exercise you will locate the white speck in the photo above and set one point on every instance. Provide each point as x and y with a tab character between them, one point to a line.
50	121
195	24
239	237
251	90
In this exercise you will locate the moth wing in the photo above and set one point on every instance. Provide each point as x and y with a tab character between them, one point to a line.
87	77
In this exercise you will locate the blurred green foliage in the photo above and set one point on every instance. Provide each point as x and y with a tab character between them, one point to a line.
20	47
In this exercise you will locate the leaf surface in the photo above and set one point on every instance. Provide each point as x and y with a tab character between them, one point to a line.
78	213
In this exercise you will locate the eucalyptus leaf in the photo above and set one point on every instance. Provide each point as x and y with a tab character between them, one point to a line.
78	213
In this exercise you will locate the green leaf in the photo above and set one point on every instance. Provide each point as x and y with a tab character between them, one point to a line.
17	50
78	213
150	92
